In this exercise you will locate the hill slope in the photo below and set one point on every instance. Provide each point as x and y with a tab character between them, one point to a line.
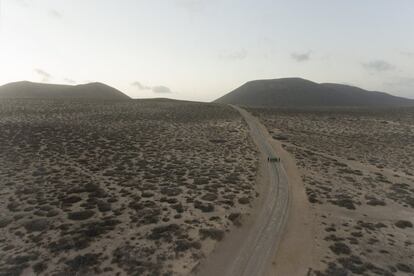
31	90
296	92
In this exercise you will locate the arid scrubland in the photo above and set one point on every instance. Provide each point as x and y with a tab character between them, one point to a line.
357	166
133	187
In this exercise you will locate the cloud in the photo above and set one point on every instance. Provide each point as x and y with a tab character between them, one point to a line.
156	89
301	57
45	75
161	89
140	86
378	66
233	55
70	81
55	14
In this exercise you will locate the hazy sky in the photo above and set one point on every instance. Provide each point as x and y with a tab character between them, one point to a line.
202	49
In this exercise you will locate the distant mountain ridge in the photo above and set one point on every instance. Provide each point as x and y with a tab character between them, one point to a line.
297	92
33	90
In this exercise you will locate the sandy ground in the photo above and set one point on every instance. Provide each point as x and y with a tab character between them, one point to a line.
355	167
120	188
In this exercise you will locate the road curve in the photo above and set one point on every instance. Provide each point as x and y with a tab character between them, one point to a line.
260	245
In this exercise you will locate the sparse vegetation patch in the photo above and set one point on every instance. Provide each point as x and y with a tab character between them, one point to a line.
115	188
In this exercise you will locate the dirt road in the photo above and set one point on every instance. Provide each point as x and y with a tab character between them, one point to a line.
250	250
261	244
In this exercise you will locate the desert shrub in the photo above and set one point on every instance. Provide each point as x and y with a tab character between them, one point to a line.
91	187
228	202
45	207
65	244
375	202
349	171
170	191
244	200
81	215
200	181
357	234
212	233
71	199
344	202
170	200
98	228
39	267
36	225
235	218
209	197
40	213
83	262
103	206
4	222
340	248
136	261
184	245
148	215
205	207
333	237
52	213
178	207
280	137
353	264
404	268
217	141
21	259
13	206
404	224
165	232
147	194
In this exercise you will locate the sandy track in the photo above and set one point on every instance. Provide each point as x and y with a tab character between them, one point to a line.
260	244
